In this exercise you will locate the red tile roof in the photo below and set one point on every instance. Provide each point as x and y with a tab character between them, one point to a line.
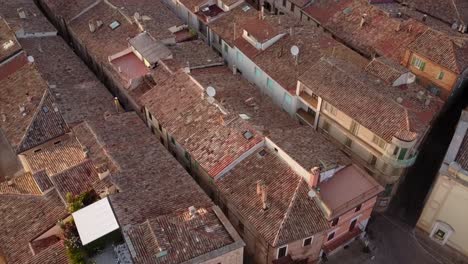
360	96
24	218
8	43
450	53
24	184
291	214
446	10
212	138
22	88
261	30
184	237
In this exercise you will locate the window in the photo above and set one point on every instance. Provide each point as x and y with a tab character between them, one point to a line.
282	251
418	63
287	101
348	142
187	155
358	208
335	221
269	84
258	72
331	236
152	130
307	241
352	225
326	126
284	3
373	160
150	116
172	140
226	48
329	108
379	142
440	76
402	154
354	127
439	234
292	7
160	127
239	57
388	190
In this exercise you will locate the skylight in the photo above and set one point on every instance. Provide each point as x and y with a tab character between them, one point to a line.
115	24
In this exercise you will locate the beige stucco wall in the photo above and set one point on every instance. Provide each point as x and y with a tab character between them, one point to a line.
297	251
448	203
430	73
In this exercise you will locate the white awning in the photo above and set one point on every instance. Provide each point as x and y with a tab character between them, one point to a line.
95	221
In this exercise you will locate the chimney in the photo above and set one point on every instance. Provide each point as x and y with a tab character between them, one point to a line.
424	18
262	12
234	69
264	197
363	20
291	31
92	27
314	177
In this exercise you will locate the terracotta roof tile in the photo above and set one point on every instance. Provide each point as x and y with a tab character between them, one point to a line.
77	92
56	157
441	49
291	214
360	96
181	235
24	218
24	184
47	124
446	10
8	41
200	127
68	9
23	88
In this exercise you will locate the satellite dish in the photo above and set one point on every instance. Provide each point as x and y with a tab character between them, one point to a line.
312	194
211	91
210	99
295	50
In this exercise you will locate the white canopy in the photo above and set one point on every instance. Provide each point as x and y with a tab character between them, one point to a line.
95	221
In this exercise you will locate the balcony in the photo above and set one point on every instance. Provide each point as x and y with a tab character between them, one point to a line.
306	117
309	99
393	161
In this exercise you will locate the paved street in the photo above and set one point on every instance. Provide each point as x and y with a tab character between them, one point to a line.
391	241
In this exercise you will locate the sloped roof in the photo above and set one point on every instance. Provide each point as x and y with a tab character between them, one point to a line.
214	139
446	10
182	236
385	69
360	96
291	214
47	124
21	87
8	43
23	184
441	49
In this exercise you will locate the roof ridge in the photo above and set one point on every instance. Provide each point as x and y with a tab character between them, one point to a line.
87	160
36	113
288	211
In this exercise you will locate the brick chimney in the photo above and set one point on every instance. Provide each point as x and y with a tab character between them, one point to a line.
264	197
314	179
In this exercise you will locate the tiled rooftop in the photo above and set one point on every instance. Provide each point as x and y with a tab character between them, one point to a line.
154	16
104	41
291	215
24	17
193	5
181	235
184	55
200	127
47	124
450	53
24	184
386	70
446	10
236	95
380	34
21	92
56	157
24	218
348	188
234	19
8	42
360	96
68	9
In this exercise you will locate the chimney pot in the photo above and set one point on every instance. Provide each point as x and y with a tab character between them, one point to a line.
314	177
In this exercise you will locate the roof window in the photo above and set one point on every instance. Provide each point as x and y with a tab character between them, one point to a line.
247	135
115	24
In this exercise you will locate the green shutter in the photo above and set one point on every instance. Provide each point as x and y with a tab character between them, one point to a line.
413	61
423	64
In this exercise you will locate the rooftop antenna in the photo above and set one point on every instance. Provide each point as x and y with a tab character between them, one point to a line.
295	52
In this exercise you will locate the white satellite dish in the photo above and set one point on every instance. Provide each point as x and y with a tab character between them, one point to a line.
211	91
312	194
295	50
210	100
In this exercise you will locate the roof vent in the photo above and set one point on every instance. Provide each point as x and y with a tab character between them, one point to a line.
424	18
99	23
30	59
91	26
244	116
161	253
22	110
10	183
45	109
399	100
246	8
262	153
247	135
114	25
21	14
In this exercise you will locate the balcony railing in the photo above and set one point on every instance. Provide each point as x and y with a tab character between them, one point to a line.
393	161
310	100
